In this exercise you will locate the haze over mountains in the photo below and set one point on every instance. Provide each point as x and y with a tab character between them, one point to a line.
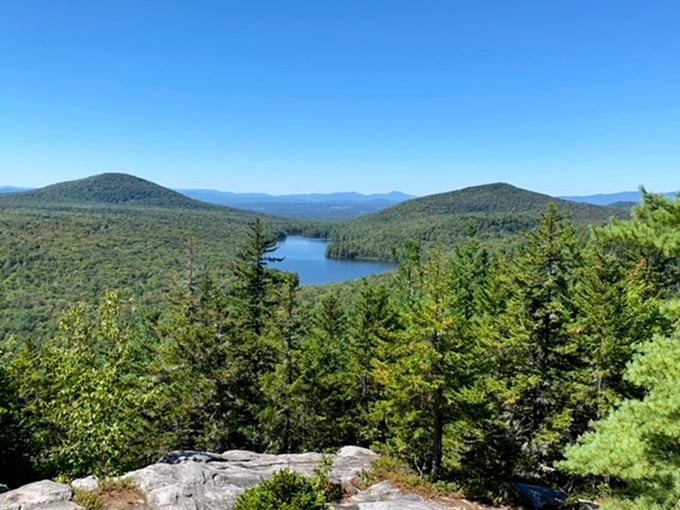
320	206
612	198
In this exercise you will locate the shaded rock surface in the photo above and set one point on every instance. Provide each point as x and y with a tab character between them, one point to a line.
44	495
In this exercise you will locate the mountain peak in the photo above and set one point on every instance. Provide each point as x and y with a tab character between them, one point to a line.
108	189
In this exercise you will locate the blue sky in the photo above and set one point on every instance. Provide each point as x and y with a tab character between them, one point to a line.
561	97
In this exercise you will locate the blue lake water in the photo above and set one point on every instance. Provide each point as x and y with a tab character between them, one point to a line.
306	257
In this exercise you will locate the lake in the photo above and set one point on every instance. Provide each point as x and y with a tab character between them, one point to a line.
306	257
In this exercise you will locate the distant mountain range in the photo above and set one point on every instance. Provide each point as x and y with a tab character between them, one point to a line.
317	206
622	197
12	189
229	198
312	206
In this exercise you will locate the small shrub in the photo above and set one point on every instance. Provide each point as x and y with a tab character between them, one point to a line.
120	490
321	481
287	490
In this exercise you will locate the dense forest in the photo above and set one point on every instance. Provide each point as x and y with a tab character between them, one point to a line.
555	360
70	242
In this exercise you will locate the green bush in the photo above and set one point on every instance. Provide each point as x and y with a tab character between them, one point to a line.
287	490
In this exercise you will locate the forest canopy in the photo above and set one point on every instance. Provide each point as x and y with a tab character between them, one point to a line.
553	362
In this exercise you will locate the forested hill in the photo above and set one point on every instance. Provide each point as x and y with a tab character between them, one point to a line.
493	211
68	242
104	189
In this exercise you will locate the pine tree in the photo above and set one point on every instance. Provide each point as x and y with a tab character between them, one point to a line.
194	407
254	280
282	416
637	444
614	314
649	243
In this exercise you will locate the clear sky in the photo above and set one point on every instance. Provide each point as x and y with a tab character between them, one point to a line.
287	96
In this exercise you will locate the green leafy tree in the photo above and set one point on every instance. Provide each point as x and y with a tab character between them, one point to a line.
89	390
13	468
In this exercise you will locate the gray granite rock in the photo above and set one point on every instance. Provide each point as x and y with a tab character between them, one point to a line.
385	496
89	483
43	495
188	480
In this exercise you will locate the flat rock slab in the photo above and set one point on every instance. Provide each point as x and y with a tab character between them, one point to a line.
187	480
43	495
385	496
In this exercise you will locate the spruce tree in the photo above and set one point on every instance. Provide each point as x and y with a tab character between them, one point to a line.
325	384
251	345
539	352
195	406
429	370
373	324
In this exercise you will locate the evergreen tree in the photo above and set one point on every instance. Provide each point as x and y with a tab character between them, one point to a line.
373	324
637	444
614	315
429	372
282	417
649	243
325	386
194	407
539	359
254	280
252	351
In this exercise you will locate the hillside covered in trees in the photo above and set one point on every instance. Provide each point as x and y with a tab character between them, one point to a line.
72	241
494	212
555	362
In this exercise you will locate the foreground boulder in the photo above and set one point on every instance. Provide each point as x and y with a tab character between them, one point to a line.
188	480
385	496
43	495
